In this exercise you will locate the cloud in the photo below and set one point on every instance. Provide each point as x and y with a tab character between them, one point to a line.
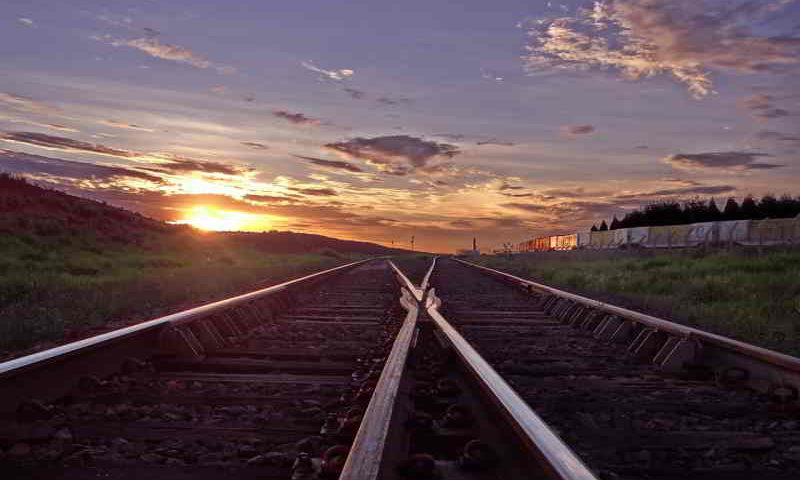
719	160
315	192
354	93
686	191
125	125
175	163
762	106
396	154
334	164
26	21
175	53
61	143
161	162
494	141
578	129
529	207
461	223
268	198
687	39
342	74
25	163
296	118
26	104
453	137
255	145
388	101
778	136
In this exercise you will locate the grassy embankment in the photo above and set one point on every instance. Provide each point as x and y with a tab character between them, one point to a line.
754	298
69	264
51	292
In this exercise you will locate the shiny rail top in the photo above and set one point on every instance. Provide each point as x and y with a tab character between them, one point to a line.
364	460
763	354
557	459
18	365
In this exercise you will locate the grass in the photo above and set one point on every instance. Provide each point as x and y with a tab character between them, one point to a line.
754	298
52	290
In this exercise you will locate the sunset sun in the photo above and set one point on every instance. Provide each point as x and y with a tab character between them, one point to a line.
209	218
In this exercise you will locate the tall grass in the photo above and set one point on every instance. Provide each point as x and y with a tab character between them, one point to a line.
755	298
49	292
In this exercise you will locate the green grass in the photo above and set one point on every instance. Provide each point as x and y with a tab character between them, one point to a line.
51	289
755	298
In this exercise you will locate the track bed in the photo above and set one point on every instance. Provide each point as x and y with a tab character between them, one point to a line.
625	419
245	411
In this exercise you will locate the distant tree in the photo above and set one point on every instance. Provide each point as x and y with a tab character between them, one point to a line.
788	207
663	213
749	209
593	229
603	226
714	215
731	211
769	207
614	224
695	211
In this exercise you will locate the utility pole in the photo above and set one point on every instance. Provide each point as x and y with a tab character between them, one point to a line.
412	243
474	244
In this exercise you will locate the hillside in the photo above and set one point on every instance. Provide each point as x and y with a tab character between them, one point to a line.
51	216
69	265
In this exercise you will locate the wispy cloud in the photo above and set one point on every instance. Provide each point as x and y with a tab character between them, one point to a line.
26	104
578	129
762	106
341	74
334	164
641	38
315	192
391	102
26	21
125	125
255	145
354	93
296	118
159	162
152	46
736	161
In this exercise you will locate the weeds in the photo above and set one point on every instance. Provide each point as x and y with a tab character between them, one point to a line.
751	298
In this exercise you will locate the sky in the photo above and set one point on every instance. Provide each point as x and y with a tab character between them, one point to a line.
379	121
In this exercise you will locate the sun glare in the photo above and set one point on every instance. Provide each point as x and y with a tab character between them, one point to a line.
207	218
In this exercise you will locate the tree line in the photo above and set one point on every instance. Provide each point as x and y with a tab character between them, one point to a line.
670	212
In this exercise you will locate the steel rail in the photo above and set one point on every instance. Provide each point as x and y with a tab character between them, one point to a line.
556	458
364	459
427	279
34	360
762	354
414	290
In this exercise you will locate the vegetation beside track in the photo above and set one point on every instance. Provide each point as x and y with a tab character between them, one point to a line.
750	297
69	264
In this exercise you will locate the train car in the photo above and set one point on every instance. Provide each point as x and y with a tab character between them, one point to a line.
541	244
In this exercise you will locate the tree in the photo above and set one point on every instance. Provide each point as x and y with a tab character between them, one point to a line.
749	209
603	226
614	224
713	212
593	229
731	211
769	207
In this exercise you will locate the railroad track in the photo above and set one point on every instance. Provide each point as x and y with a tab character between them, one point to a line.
356	373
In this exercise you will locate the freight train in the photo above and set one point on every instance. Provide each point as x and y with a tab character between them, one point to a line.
780	231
